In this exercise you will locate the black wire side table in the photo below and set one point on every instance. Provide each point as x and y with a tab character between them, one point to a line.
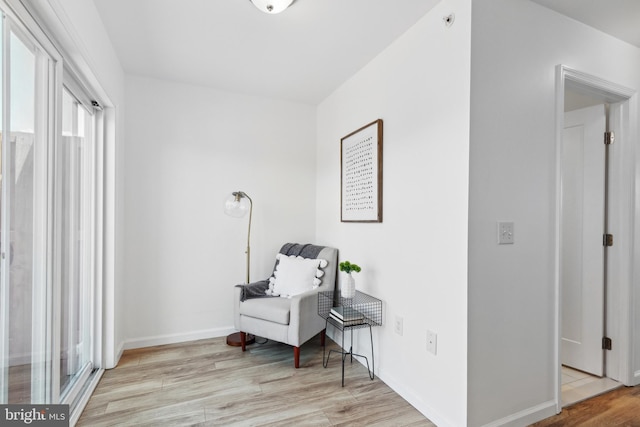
368	313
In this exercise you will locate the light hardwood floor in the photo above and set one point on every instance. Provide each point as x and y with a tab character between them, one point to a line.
617	408
207	383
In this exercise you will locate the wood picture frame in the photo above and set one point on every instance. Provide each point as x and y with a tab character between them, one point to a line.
361	174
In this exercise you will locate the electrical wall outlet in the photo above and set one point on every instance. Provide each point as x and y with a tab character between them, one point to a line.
505	233
398	325
432	342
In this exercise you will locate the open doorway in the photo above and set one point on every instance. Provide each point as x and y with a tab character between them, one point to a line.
591	199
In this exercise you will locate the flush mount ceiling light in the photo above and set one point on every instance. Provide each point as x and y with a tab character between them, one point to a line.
272	6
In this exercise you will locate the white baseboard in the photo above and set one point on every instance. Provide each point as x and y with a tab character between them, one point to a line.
416	401
526	417
177	338
119	352
522	418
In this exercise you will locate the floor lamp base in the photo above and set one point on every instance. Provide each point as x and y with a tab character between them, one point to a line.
234	340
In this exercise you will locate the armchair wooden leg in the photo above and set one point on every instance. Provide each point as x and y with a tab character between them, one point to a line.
243	340
323	335
296	357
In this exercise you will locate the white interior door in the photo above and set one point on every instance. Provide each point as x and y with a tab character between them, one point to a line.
582	256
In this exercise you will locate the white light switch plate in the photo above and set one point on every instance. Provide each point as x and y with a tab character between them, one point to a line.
505	233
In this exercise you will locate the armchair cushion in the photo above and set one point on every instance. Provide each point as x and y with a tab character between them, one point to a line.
276	310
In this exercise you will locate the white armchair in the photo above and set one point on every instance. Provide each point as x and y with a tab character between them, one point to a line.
293	320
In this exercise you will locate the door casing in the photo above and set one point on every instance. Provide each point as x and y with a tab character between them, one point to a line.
621	218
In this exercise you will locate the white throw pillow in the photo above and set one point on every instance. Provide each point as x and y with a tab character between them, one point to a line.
295	275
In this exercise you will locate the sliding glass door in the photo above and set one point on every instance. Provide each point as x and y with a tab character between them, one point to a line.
74	161
48	264
23	230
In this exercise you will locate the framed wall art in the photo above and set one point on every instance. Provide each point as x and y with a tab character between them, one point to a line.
361	174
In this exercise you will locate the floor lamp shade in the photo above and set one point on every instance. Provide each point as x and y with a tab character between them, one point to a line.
238	204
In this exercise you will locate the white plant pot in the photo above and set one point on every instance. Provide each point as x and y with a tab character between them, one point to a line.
348	288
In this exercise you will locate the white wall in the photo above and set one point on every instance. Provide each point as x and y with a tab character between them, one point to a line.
415	260
516	46
188	147
184	144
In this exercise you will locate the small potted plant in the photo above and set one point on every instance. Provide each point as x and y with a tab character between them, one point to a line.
348	288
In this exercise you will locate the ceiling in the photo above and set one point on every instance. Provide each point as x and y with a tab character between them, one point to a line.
619	18
302	54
